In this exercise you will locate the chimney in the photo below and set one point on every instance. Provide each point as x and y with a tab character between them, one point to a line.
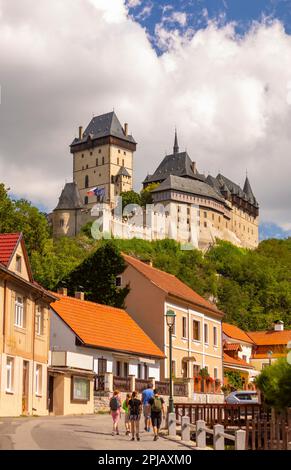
279	325
80	132
80	295
126	128
63	291
193	166
148	262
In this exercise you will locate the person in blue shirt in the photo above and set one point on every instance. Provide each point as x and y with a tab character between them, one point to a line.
147	395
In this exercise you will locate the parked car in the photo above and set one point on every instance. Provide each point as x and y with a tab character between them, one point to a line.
242	398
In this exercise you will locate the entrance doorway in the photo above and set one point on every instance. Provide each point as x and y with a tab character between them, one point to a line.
51	394
25	382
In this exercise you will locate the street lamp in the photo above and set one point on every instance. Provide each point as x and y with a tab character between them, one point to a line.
270	353
170	318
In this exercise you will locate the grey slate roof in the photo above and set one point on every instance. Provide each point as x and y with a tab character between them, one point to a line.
248	190
123	172
225	185
70	198
178	164
187	185
103	126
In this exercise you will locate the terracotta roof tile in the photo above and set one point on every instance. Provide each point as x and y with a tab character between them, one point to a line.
236	333
105	327
231	347
262	338
8	244
265	355
236	362
170	284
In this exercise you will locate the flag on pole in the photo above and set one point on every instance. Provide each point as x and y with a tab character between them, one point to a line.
99	192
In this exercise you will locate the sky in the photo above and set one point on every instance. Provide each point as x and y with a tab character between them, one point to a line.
218	70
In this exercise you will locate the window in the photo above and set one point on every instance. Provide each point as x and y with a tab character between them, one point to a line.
124	153
99	151
18	263
215	338
245	358
62	223
118	150
97	162
205	224
86	199
38	380
196	330
103	160
102	365
205	333
91	153
125	369
9	374
39	320
19	312
117	161
118	281
215	373
196	370
118	369
184	327
122	162
86	181
80	389
139	371
112	179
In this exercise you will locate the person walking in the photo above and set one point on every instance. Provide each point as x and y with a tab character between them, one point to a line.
115	408
125	407
135	408
158	411
147	394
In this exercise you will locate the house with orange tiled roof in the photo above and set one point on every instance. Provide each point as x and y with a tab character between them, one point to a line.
99	339
197	338
270	345
237	353
24	332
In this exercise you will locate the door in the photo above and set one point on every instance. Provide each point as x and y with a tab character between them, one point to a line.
25	379
51	394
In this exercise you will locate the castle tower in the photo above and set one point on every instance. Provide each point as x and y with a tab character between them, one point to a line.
103	159
67	217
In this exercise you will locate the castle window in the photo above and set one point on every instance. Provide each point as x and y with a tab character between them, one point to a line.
118	150
103	160
86	181
205	224
123	162
86	200
91	153
112	179
82	155
62	222
99	151
124	153
96	161
117	161
87	166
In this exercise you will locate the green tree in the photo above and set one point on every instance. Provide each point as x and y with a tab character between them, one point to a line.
275	383
130	197
234	379
96	276
145	194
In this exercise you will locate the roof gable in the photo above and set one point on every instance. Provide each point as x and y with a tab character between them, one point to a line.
236	333
105	327
171	284
11	245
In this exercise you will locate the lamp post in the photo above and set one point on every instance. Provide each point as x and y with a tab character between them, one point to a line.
170	318
270	353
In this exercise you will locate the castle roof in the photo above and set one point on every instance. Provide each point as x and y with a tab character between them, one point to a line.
70	198
123	172
225	185
187	185
101	126
178	164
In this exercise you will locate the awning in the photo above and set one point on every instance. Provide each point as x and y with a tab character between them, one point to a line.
189	359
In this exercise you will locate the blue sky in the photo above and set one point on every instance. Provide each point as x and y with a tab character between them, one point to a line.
198	12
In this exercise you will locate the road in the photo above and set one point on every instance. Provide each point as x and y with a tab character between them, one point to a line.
73	433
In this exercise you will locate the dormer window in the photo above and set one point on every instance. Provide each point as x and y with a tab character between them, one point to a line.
18	263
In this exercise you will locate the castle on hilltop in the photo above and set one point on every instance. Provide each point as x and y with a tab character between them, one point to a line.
187	206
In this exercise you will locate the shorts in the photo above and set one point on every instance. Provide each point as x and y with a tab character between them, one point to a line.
126	418
134	417
147	411
115	416
156	420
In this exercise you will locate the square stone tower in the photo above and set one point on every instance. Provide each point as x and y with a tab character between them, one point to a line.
103	160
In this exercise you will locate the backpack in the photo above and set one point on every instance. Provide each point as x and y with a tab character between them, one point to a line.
114	404
134	407
157	405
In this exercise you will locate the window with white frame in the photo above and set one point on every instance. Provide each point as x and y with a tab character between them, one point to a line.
38	380
215	336
196	330
9	374
206	333
19	312
39	320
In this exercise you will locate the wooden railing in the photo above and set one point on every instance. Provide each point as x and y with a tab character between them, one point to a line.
273	434
99	383
122	384
221	413
141	385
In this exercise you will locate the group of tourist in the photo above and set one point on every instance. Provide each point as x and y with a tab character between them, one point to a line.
152	405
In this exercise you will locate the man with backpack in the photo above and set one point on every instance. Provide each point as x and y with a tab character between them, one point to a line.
157	413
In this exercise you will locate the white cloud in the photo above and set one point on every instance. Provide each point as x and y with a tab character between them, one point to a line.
133	3
62	61
177	17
